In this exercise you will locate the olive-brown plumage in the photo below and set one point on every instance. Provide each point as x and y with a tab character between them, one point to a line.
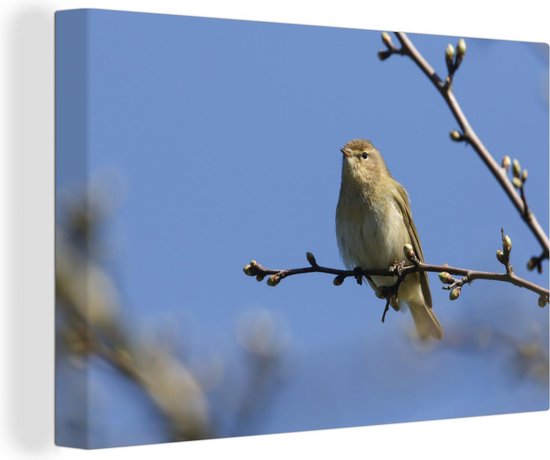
374	222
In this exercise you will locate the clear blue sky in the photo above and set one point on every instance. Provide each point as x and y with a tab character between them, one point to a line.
226	136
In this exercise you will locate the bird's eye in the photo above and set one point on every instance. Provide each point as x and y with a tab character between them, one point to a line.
364	155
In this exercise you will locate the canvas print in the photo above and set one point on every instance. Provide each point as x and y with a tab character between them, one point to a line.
268	228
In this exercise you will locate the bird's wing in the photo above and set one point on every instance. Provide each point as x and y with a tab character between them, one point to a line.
402	201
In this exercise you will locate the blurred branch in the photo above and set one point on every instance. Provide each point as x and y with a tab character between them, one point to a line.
91	325
166	381
404	268
261	341
453	59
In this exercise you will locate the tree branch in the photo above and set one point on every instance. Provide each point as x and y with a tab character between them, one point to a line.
468	134
400	271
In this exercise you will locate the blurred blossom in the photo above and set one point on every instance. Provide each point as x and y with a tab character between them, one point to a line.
175	390
92	320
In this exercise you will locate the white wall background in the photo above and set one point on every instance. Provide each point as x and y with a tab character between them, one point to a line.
26	231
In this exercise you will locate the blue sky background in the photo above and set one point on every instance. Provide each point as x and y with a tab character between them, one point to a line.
226	136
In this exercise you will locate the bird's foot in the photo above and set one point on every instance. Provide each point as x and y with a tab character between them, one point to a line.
358	275
386	309
398	267
390	293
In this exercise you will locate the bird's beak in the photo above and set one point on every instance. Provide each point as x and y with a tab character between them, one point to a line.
345	152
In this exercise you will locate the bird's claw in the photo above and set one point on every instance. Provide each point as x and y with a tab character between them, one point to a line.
398	267
358	275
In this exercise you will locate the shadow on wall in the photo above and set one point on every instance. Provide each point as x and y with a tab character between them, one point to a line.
29	227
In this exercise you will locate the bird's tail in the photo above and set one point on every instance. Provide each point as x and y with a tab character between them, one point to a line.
425	321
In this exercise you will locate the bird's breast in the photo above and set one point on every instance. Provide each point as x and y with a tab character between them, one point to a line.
370	236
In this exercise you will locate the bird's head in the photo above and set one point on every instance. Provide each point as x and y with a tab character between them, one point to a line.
363	163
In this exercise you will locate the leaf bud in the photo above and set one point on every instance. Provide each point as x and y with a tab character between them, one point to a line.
506	162
500	256
383	55
461	47
460	52
386	38
249	270
260	277
455	293
311	259
531	264
524	175
517	182
450	52
455	135
449	57
543	301
409	252
516	168
446	278
273	280
506	244
338	280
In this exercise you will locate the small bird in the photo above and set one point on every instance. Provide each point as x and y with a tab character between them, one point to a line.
373	224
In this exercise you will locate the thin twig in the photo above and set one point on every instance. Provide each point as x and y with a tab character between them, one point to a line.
526	209
469	135
276	275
